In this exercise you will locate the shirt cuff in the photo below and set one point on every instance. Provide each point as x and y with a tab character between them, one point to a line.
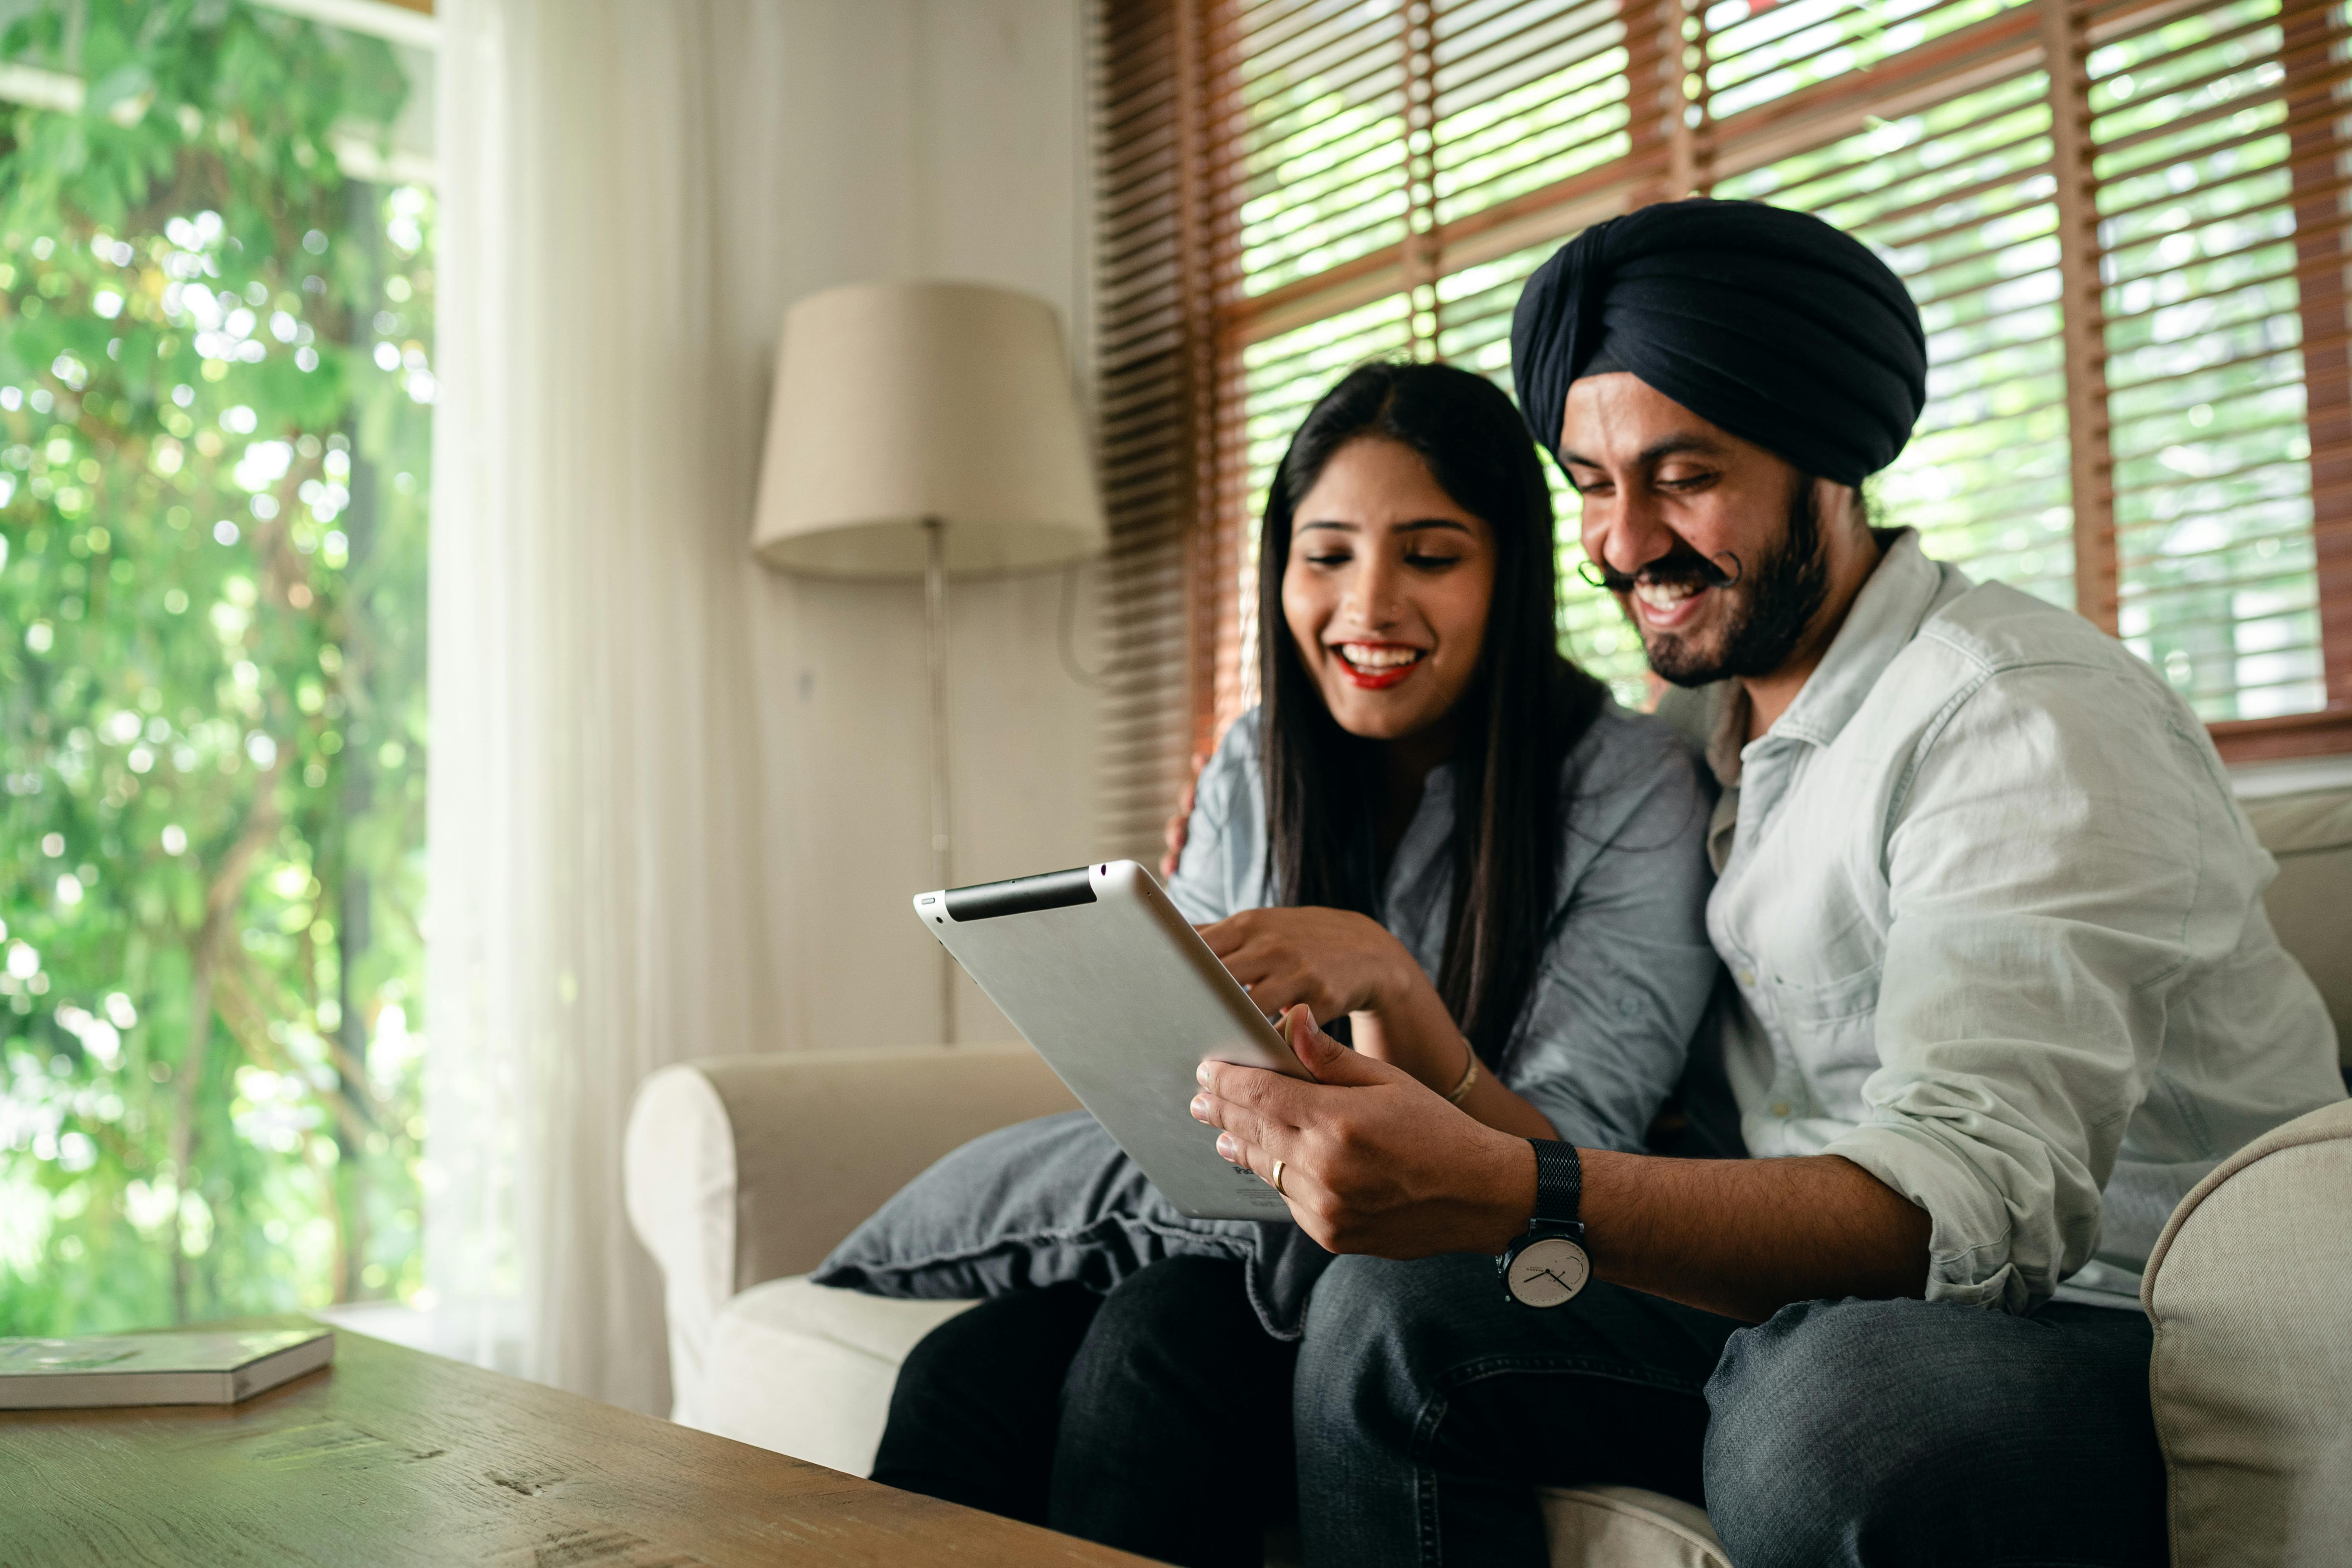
1970	1241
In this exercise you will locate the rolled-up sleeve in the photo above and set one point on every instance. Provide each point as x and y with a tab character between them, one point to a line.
1627	969
2045	882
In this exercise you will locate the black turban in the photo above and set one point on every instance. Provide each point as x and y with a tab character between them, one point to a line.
1770	323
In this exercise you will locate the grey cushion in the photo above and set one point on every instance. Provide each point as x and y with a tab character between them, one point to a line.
1051	1202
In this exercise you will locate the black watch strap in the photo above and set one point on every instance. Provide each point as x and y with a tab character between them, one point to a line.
1559	1185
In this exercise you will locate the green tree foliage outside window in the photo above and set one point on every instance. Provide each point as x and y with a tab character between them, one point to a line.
213	419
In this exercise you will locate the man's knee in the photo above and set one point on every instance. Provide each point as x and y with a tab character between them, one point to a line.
1838	1423
1355	1293
1375	1332
1373	1308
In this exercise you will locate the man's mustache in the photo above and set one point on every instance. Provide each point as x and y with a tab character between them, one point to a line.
1680	564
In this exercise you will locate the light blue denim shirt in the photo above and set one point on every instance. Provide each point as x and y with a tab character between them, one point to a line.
1998	922
1626	970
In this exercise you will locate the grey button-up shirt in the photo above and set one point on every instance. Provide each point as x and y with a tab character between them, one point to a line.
1998	922
1626	970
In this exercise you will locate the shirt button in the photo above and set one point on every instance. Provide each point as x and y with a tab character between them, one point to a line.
1780	1108
1748	977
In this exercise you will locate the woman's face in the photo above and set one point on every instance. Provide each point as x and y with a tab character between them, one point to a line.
1386	590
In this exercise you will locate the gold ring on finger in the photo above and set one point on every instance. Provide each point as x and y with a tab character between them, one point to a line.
1277	1178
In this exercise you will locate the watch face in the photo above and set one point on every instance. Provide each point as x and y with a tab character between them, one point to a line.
1548	1272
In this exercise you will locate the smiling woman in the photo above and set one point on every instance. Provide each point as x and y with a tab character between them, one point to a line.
1409	517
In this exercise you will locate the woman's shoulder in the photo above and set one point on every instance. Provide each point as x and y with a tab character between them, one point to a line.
1236	769
1229	796
1242	742
1622	749
1225	848
1631	770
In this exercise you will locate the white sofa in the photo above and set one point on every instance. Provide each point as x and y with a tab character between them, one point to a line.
743	1171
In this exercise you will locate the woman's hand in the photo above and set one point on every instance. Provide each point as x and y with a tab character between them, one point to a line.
1332	961
1372	1160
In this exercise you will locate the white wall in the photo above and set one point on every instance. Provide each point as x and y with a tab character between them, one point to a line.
915	137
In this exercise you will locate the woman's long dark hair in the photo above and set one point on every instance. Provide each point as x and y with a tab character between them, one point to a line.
1525	707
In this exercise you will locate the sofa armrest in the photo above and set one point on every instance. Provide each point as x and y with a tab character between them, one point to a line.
740	1169
2250	1288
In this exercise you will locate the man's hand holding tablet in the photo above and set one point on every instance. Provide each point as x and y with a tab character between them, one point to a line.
1102	973
1419	1175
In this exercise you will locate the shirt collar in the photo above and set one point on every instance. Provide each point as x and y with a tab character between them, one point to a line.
1726	734
1882	620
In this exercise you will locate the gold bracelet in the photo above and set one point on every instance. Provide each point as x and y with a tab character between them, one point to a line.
1469	1077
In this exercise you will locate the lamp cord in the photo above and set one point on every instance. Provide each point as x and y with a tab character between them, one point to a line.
1068	638
935	640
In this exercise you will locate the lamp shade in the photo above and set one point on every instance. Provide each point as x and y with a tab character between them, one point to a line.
898	402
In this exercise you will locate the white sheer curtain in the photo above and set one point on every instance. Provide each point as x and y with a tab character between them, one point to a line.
595	907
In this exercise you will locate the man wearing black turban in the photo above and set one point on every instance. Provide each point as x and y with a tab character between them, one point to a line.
1770	323
1778	331
1981	883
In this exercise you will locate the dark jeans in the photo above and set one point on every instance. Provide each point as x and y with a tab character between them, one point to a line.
1428	1408
1155	1419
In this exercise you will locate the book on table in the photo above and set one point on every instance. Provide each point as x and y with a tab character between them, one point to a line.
216	1367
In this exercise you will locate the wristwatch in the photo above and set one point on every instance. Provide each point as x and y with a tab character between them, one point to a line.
1546	1265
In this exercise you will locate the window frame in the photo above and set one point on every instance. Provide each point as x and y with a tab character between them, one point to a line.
1675	146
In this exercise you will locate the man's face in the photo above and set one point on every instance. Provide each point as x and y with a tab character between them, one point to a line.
1712	544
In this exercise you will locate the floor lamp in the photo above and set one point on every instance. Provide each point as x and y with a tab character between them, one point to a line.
925	430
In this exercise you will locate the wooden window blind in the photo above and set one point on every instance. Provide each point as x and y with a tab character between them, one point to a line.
2123	220
1154	343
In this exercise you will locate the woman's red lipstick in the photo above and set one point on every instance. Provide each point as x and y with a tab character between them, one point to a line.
1380	677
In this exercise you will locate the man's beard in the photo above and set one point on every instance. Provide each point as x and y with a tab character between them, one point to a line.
1771	607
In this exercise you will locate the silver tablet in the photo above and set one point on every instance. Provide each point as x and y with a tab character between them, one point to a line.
1119	995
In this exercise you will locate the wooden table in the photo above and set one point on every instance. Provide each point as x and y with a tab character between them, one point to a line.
394	1456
